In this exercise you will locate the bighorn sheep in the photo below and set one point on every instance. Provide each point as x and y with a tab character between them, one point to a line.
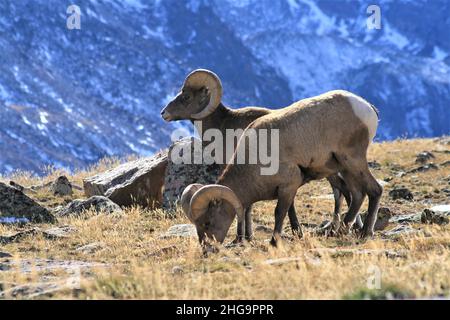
200	99
333	132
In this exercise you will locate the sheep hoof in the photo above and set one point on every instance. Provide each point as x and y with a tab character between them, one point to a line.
277	240
297	232
249	238
366	233
237	240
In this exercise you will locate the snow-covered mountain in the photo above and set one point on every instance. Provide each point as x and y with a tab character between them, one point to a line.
70	97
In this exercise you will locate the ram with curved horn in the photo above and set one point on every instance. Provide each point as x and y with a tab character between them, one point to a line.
323	148
200	99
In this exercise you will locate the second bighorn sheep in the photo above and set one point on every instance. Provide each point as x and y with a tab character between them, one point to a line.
333	132
200	99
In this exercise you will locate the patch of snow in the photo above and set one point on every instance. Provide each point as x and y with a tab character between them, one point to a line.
13	220
43	116
25	119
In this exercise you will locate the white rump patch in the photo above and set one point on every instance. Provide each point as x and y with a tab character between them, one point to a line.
364	111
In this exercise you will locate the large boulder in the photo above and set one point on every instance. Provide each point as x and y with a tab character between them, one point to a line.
14	203
180	175
136	182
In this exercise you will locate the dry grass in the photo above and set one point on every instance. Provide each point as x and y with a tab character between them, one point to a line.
140	265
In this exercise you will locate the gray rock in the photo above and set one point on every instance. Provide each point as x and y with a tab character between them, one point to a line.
435	217
180	175
400	230
336	253
374	165
180	230
4	254
91	247
401	193
61	186
263	228
14	203
424	157
177	270
137	182
38	265
58	232
383	218
18	235
424	168
409	218
97	204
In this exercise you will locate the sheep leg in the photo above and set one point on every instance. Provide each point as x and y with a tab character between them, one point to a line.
336	184
285	200
293	220
248	224
244	228
240	231
357	198
374	191
342	188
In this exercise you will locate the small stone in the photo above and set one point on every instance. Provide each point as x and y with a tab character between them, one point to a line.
61	186
435	217
98	204
263	228
180	230
445	164
91	248
424	157
384	215
403	229
58	232
17	236
401	193
177	270
411	218
374	165
424	168
4	254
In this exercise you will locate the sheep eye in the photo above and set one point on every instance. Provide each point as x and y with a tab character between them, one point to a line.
185	97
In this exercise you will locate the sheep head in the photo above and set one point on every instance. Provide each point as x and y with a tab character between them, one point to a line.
211	209
199	97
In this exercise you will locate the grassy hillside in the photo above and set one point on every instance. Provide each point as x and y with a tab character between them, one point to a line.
131	261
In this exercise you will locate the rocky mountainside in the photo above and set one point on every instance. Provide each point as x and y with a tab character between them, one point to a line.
70	97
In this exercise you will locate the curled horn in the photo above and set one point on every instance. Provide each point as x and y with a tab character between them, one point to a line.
201	199
186	197
204	78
